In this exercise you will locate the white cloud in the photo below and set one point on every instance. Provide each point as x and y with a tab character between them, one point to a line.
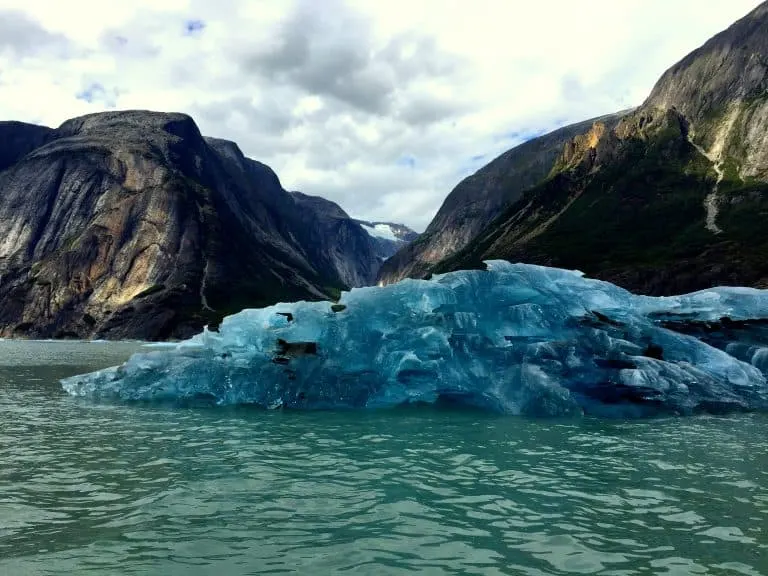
381	106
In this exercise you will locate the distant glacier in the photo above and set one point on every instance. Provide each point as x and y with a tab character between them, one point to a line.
513	339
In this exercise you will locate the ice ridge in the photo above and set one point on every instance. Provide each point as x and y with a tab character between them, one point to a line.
514	339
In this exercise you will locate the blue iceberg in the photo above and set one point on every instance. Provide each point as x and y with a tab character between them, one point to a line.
514	339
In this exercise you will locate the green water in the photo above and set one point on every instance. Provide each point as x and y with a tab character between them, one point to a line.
98	489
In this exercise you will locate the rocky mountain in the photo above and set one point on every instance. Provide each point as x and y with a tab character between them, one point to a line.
133	225
480	198
19	139
668	198
348	248
388	237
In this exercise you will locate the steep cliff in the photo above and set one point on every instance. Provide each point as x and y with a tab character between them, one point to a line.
480	198
132	225
671	198
720	88
335	241
19	139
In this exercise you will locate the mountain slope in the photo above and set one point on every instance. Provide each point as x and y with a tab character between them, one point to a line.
637	218
132	225
479	198
336	241
673	197
19	139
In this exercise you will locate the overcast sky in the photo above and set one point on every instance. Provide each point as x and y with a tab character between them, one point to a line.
381	105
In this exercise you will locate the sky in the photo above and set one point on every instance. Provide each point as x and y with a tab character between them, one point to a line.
381	106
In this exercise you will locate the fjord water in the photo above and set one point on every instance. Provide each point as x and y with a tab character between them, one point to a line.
131	489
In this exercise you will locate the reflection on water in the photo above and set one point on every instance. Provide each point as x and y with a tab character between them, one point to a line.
106	489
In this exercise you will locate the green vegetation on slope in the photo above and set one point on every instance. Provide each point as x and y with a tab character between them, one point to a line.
638	221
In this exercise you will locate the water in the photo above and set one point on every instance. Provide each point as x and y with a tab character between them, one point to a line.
99	489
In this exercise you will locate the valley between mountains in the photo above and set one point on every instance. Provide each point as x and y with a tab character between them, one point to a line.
666	198
133	225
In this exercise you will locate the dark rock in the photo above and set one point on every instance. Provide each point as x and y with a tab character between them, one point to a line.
335	241
17	139
605	320
654	351
132	225
296	349
615	363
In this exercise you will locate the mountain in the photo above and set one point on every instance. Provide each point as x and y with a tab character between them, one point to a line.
478	199
388	237
671	197
348	247
133	225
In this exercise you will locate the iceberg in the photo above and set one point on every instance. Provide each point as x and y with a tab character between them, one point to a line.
514	339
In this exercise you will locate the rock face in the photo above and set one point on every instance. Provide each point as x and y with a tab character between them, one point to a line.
133	225
337	242
671	197
480	198
19	139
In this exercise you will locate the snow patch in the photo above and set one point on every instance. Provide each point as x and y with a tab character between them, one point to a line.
384	231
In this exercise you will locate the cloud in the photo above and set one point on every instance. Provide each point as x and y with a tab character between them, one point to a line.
21	36
329	50
381	106
421	110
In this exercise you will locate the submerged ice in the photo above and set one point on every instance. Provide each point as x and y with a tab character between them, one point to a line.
517	339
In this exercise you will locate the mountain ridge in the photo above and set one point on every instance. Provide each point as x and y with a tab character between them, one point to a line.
479	198
670	198
131	224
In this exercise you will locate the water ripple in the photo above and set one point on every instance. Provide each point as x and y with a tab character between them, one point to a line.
130	490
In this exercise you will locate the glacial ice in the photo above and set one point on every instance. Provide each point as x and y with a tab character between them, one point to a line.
383	231
515	339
